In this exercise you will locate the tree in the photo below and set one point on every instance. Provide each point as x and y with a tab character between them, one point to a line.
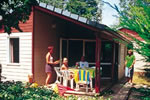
91	9
85	8
137	18
57	3
14	11
124	4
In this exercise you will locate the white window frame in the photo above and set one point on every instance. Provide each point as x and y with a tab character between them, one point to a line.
8	50
84	40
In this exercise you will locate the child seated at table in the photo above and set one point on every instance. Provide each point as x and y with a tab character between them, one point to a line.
67	75
65	64
83	63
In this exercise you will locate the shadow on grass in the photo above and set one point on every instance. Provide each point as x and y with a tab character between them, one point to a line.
147	72
140	93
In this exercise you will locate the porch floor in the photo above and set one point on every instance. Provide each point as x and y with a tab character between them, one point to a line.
105	84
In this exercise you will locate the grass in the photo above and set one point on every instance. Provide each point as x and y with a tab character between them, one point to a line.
141	79
140	93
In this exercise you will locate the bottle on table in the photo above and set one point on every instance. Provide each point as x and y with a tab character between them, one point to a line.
77	65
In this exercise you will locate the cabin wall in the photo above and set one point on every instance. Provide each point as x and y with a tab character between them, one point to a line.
16	71
122	54
46	33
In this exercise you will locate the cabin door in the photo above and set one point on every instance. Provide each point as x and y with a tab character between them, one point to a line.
106	59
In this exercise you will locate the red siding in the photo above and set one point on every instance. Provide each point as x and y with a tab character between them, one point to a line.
26	27
132	33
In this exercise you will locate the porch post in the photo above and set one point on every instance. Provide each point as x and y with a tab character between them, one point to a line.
97	60
33	31
113	61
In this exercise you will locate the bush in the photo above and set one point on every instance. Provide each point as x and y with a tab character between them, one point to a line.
11	90
19	91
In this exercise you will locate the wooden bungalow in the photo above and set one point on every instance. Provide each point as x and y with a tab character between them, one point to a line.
72	36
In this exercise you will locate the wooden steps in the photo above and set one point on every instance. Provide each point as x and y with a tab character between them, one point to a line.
69	93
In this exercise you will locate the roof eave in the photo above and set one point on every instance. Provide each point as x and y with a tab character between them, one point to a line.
92	25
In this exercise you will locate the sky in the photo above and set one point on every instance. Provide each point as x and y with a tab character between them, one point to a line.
107	13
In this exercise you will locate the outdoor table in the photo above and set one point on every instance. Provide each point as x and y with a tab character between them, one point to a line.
83	74
73	74
76	73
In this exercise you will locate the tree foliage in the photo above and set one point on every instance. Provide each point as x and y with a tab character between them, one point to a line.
91	9
85	8
57	3
137	18
124	4
14	11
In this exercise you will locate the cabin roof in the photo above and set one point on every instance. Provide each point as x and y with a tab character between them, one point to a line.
90	24
87	23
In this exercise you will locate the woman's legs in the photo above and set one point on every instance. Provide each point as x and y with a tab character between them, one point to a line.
130	80
48	78
128	75
131	75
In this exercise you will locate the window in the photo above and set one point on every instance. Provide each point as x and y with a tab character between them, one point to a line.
106	52
74	49
14	50
64	49
90	51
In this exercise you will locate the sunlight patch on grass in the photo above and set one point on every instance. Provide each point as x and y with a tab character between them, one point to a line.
138	79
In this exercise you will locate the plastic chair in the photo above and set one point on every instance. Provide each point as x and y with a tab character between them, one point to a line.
59	75
66	78
84	79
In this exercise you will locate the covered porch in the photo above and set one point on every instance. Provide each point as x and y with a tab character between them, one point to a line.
73	39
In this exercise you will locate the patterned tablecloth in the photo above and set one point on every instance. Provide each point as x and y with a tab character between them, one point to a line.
83	74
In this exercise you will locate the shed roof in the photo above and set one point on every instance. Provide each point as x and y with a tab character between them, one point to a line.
131	33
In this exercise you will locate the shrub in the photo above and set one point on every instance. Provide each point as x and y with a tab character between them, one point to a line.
19	91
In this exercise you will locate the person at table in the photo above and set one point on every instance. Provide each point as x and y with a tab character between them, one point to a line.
66	74
65	64
49	68
83	63
64	68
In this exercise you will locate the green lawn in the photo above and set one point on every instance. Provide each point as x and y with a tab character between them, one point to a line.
141	79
